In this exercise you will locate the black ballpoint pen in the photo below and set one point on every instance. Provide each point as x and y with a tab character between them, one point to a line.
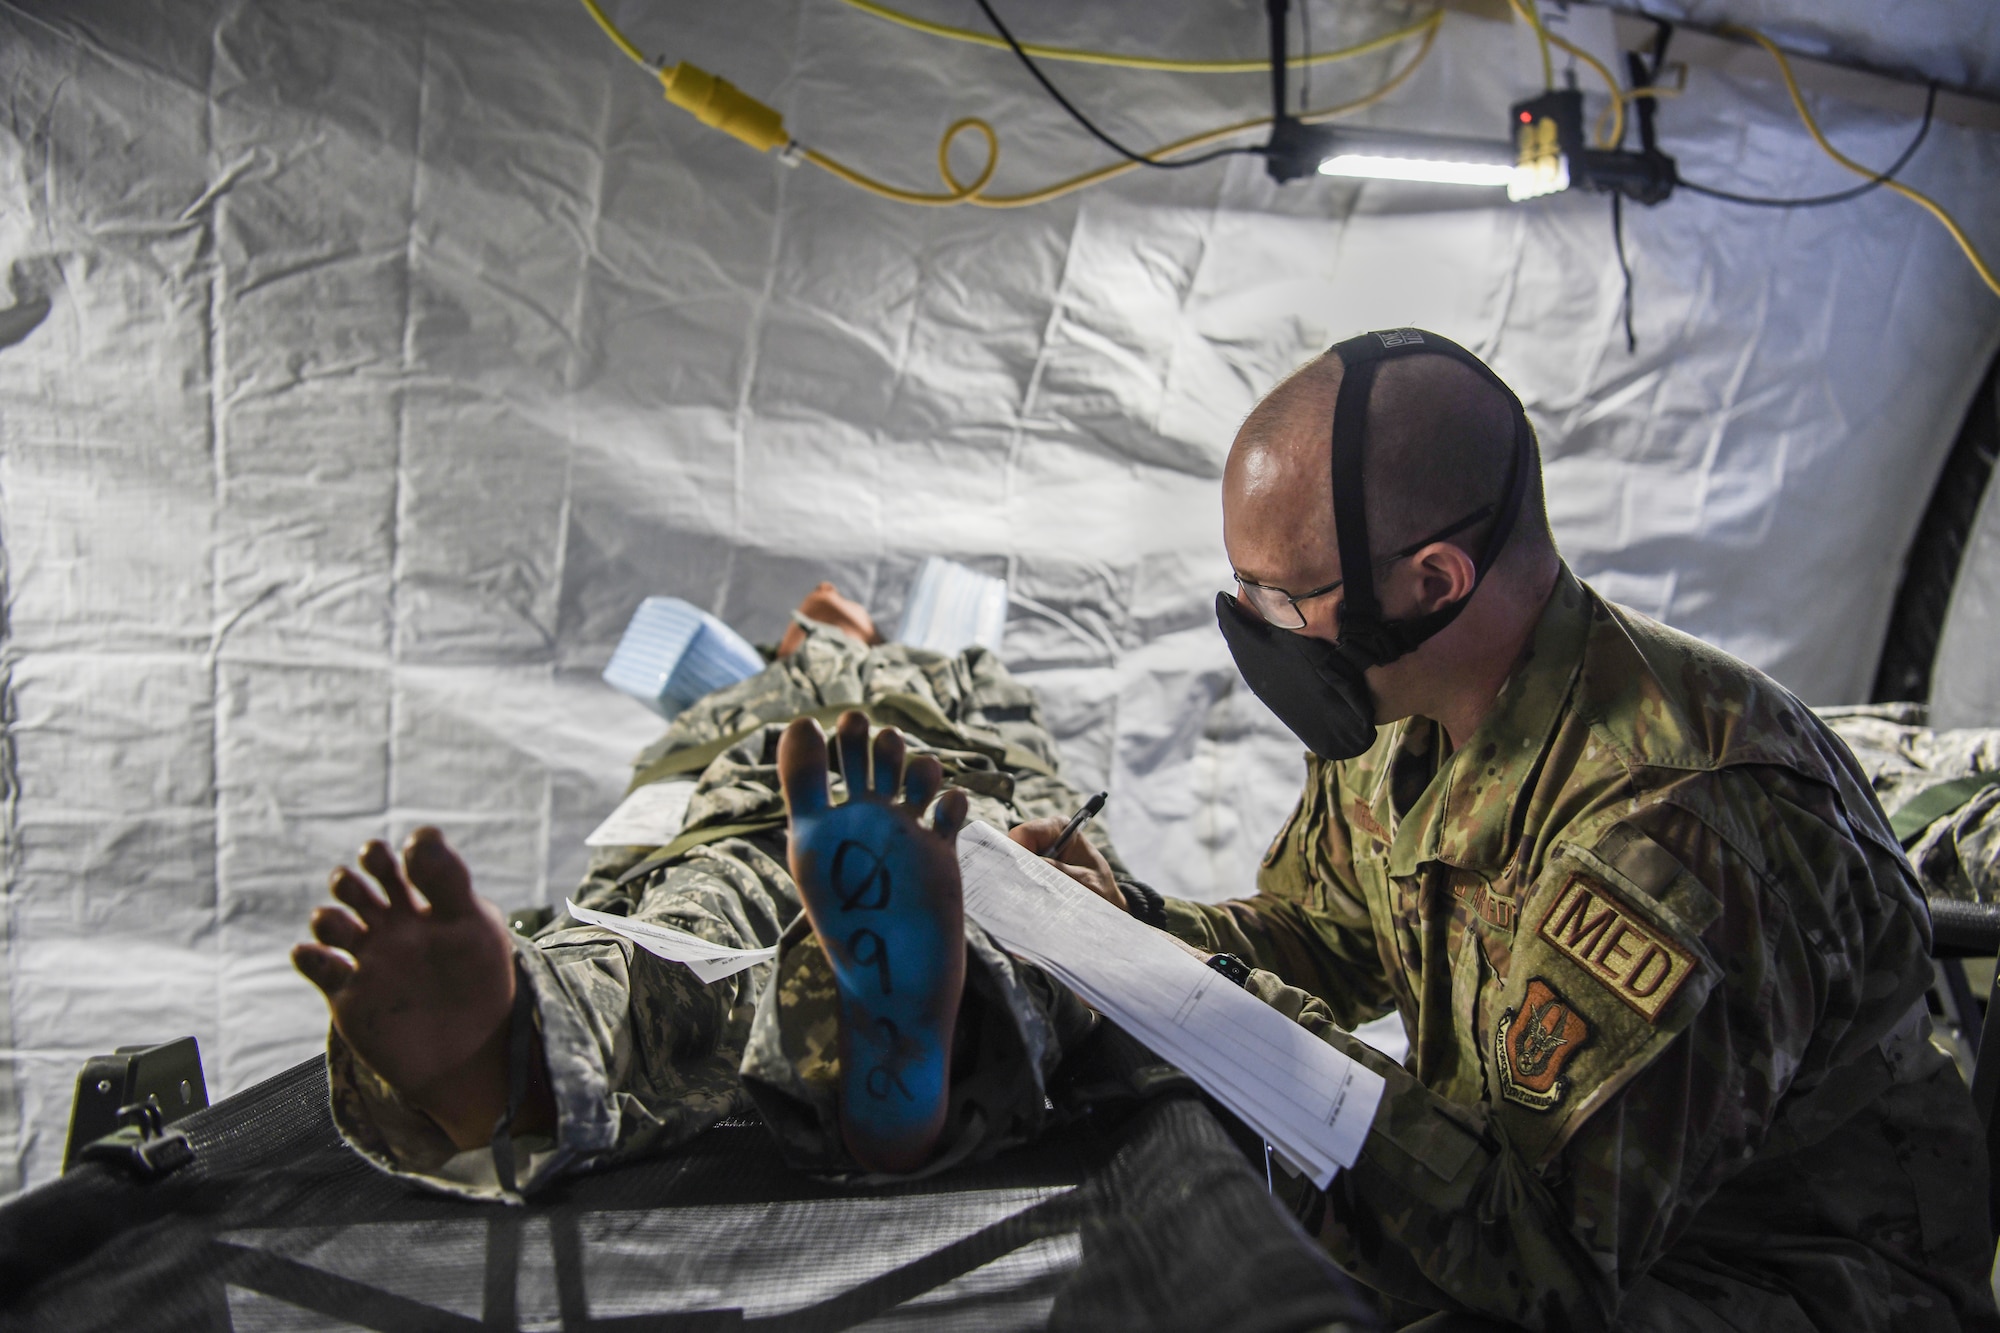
1076	823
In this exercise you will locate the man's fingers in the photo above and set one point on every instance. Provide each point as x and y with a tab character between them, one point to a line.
383	868
1083	852
1038	835
802	769
889	754
438	873
338	930
922	778
1102	885
322	967
850	736
950	816
367	904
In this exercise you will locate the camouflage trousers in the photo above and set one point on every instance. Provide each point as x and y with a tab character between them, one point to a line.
642	1055
1014	1025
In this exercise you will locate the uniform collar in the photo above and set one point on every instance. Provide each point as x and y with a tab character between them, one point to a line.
1468	816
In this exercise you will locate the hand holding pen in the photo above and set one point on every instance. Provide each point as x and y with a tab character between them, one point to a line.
1057	841
1090	811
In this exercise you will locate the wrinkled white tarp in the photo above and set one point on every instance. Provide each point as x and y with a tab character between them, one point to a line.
394	352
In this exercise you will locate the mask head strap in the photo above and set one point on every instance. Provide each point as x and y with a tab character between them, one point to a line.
1365	637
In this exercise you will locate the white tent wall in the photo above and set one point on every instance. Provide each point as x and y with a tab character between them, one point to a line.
394	352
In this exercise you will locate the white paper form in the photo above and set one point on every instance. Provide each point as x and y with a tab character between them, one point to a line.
705	958
1311	1102
650	817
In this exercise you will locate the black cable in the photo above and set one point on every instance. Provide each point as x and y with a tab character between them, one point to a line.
1084	120
1618	244
1841	197
1306	66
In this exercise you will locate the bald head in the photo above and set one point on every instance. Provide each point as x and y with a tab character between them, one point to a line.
1440	442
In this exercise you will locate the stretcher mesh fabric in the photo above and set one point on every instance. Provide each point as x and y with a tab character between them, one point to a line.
1154	1222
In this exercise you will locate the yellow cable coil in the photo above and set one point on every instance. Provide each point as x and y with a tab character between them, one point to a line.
958	193
1812	127
1157	64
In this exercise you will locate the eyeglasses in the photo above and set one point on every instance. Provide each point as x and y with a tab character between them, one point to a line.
1281	608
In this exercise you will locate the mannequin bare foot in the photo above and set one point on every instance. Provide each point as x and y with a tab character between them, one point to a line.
883	895
426	998
824	605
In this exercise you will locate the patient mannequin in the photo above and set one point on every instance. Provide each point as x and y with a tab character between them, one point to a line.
418	969
427	998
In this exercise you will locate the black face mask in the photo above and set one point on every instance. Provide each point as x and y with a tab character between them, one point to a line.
1320	689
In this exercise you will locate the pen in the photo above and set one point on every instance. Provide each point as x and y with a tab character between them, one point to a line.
1076	823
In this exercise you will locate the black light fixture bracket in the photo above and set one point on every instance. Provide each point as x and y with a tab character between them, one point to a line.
1548	136
1295	149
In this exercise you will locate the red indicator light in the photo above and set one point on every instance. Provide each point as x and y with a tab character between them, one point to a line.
1527	117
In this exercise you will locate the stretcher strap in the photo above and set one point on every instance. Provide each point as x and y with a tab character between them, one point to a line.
694	838
1934	803
907	712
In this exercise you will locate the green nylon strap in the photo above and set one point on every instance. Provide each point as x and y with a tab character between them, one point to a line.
909	712
700	837
1934	803
695	758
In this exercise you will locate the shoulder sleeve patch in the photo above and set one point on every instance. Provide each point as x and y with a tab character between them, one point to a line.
1533	1042
1595	928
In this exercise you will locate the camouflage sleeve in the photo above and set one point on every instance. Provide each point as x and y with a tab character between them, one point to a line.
1551	1210
1308	922
1440	1212
641	1054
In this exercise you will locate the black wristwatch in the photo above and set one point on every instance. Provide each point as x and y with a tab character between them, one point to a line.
1231	966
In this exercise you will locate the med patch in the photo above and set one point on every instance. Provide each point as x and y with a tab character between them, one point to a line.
1634	959
1533	1042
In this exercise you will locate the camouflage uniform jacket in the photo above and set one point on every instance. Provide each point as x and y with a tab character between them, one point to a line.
642	1055
1662	966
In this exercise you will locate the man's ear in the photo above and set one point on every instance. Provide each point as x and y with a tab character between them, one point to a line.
1443	574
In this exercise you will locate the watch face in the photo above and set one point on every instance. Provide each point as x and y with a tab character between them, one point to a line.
1229	965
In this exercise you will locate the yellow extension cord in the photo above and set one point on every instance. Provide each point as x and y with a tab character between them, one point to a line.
1929	205
1118	60
1546	39
1525	8
969	193
718	103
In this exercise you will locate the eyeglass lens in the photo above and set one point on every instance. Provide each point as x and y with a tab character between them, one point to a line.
1273	604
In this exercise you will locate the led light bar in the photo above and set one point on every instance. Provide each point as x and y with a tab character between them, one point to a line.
1372	166
1366	153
